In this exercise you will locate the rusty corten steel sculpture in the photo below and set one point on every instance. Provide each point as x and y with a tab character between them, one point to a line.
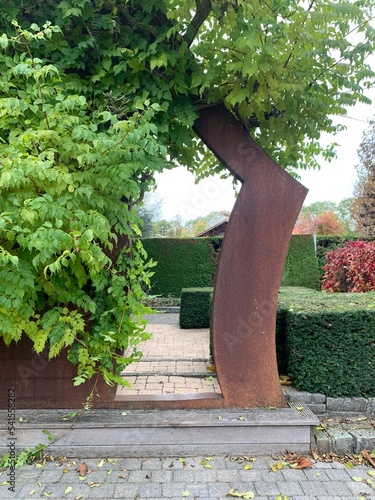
251	263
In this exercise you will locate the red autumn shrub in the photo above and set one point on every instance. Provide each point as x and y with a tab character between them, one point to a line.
350	268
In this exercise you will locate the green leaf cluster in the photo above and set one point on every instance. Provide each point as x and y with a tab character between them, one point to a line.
65	171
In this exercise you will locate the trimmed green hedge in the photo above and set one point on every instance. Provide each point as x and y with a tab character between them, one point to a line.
192	262
330	343
195	310
301	266
182	263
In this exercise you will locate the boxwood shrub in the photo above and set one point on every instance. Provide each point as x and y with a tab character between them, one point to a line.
330	343
195	309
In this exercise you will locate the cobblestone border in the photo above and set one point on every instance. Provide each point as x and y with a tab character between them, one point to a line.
325	407
349	423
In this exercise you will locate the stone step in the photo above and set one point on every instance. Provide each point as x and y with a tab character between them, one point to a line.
162	433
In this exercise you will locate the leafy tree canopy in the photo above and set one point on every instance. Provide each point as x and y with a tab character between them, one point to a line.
326	217
283	67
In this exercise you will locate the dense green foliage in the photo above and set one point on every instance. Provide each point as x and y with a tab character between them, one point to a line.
196	307
192	262
64	169
330	341
181	263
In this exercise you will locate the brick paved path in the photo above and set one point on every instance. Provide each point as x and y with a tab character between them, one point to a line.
177	478
175	361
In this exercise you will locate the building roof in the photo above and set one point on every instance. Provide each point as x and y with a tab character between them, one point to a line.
215	230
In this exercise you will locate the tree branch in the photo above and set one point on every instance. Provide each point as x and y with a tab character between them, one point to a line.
203	9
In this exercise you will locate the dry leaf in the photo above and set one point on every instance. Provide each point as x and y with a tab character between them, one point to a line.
235	493
93	485
82	469
68	490
301	463
368	457
211	368
285	380
278	466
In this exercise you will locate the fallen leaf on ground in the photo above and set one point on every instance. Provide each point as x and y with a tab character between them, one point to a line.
93	485
205	464
368	457
301	463
68	490
211	368
285	380
235	493
278	466
82	469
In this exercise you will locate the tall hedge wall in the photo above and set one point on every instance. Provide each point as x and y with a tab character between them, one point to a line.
192	262
182	263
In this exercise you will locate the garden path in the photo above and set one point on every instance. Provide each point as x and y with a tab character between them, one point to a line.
175	361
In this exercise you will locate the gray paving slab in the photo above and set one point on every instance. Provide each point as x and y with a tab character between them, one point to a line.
187	477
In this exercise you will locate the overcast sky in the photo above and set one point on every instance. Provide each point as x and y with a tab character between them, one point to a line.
333	182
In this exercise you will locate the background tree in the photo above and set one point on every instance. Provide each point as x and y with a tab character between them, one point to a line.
364	193
95	103
325	217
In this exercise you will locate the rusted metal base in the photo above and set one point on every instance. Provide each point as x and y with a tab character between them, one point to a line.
251	263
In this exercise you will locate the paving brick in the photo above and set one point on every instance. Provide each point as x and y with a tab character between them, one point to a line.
341	441
128	490
315	475
181	476
230	476
173	490
363	439
263	488
339	488
152	463
347	404
150	490
314	488
196	490
289	488
139	476
161	476
105	490
338	475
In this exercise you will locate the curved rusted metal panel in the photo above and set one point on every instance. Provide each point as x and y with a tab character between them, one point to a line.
251	263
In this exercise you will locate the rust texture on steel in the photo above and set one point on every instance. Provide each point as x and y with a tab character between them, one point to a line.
251	263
